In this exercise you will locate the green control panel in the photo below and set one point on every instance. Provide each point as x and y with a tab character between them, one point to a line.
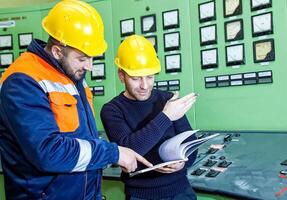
239	64
17	29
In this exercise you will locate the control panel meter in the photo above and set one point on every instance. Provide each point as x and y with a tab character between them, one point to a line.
173	63
235	55
25	39
127	27
170	19
232	7
262	24
148	24
209	58
171	41
6	42
206	11
6	59
264	51
98	71
208	35
233	30
260	4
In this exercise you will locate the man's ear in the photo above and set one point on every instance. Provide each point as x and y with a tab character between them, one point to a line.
56	51
121	75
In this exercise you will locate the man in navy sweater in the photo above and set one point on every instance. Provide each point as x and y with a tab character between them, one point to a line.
142	118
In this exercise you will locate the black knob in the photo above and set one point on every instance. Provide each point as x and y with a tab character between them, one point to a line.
221	157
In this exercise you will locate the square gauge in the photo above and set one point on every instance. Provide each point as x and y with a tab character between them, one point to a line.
260	4
148	23
170	19
264	51
6	42
24	39
172	63
235	55
232	7
6	59
99	57
208	35
262	24
171	41
233	30
206	11
209	58
153	40
127	27
98	71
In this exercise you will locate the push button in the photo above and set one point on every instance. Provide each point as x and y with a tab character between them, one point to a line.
212	173
198	172
224	164
209	163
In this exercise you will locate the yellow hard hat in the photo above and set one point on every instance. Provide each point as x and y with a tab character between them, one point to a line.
137	57
76	24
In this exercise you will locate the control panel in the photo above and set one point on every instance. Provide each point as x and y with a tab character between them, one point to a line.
244	165
237	64
241	165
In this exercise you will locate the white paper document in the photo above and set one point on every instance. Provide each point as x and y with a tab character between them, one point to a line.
155	167
175	150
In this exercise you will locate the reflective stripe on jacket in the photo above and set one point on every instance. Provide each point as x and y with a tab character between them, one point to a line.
48	138
59	89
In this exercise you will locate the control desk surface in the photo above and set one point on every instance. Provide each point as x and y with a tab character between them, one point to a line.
249	165
238	164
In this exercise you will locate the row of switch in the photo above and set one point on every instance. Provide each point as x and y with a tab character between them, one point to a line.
211	172
98	90
170	85
210	163
200	171
250	78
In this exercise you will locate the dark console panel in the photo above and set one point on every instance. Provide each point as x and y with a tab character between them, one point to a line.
242	165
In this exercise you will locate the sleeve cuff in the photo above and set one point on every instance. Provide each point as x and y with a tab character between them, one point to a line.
162	121
114	152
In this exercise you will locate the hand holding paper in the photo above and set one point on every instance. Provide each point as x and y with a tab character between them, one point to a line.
175	151
155	167
171	168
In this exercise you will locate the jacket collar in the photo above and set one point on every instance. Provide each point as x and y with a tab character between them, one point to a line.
37	47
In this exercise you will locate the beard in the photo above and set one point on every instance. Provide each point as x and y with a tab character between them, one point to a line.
73	75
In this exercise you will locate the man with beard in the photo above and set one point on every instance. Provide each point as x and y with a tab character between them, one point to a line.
48	138
142	118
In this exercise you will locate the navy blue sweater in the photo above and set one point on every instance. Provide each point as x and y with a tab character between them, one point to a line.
143	127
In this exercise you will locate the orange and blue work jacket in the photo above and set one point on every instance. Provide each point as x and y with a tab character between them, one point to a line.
48	138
